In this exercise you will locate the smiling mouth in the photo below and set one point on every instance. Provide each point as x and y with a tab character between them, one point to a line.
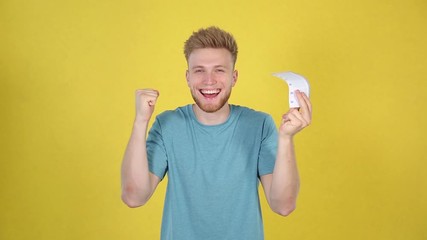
210	93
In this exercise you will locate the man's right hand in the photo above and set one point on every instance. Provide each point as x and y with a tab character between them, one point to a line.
145	102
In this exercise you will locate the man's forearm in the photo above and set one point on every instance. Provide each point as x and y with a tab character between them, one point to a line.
136	186
285	180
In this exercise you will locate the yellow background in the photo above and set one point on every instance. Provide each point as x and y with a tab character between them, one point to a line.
68	72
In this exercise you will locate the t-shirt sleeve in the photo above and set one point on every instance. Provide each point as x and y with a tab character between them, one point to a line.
268	149
156	152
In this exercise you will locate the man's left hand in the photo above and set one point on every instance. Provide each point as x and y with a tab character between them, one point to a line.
296	119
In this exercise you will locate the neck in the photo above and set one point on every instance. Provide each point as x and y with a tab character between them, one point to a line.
213	118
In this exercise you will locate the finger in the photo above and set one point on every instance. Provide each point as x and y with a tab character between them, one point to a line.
294	120
285	118
293	116
307	100
291	110
305	105
147	95
301	100
297	115
138	92
152	101
151	92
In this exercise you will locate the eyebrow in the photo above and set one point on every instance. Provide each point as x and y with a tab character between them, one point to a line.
198	66
216	66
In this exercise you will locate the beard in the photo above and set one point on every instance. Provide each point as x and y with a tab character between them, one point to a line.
211	107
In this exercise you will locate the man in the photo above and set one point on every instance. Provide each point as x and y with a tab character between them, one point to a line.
214	153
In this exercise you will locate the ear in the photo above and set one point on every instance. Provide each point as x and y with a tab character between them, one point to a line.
187	77
235	76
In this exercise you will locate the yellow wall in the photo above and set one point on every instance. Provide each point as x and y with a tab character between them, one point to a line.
68	72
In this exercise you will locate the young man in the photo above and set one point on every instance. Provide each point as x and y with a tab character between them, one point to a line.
214	153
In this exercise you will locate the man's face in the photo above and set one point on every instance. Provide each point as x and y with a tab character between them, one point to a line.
211	76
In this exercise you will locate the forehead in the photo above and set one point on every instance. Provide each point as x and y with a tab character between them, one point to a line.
210	56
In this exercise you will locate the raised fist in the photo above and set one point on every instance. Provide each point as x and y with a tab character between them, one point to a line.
145	100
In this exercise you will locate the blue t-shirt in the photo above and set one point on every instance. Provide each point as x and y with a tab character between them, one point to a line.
213	172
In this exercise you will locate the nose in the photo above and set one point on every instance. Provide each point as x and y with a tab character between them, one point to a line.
210	78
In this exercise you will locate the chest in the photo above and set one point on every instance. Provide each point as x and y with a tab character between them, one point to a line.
216	157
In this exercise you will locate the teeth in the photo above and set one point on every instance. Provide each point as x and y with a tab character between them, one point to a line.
210	91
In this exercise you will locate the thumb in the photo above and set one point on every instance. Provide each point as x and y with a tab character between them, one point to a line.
151	103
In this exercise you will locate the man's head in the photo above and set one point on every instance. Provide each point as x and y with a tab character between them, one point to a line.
211	37
211	55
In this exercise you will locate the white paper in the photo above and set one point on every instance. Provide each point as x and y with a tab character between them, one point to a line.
295	82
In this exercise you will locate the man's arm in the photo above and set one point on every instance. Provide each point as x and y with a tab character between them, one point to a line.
282	186
138	184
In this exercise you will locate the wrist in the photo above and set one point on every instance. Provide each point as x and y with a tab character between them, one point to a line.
286	139
140	122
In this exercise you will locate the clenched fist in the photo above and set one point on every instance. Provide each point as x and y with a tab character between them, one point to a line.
145	100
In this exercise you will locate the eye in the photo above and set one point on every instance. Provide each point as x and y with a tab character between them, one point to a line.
220	70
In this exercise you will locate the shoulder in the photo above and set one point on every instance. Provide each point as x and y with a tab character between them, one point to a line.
176	114
170	119
251	114
255	121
